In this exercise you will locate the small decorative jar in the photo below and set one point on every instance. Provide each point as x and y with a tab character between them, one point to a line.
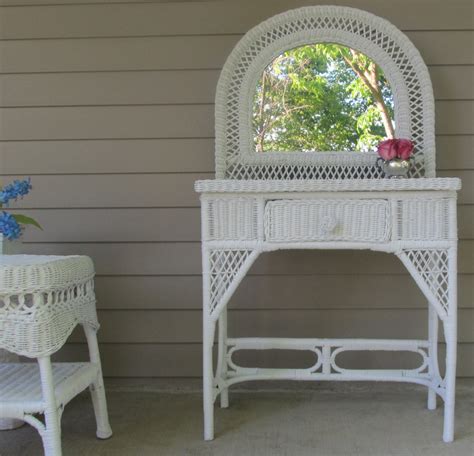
395	157
396	167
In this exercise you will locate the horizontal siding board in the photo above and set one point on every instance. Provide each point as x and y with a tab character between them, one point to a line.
145	190
120	20
108	156
455	117
131	190
185	258
175	121
185	360
164	87
441	47
273	292
103	88
454	152
116	225
452	82
145	326
182	52
188	121
80	2
203	17
466	222
99	54
145	225
159	155
132	259
124	360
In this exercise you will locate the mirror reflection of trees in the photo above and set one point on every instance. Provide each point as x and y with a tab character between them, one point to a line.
322	97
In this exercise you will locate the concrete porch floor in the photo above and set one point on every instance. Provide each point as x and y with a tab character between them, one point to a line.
164	419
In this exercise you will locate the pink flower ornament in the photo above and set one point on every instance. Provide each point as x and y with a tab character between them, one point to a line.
404	148
395	148
387	150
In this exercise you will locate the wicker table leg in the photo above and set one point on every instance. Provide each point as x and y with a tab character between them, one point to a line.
208	326
222	271
97	387
450	334
435	272
52	433
222	357
433	353
208	376
450	380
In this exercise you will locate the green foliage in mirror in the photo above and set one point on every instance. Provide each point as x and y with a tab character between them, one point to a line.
322	97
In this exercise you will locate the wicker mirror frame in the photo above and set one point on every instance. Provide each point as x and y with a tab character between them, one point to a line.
400	61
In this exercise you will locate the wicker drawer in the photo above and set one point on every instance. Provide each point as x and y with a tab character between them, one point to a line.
327	220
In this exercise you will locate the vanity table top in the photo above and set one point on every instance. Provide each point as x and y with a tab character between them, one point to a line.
329	185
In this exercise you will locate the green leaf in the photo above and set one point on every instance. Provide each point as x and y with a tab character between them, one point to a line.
25	220
311	99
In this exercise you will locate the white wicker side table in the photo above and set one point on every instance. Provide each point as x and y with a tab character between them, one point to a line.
42	299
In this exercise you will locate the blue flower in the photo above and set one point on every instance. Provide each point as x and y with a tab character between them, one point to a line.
15	190
9	227
3	198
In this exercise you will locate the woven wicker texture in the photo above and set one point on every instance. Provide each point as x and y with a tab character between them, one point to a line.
433	267
20	384
333	185
327	220
271	201
42	299
375	37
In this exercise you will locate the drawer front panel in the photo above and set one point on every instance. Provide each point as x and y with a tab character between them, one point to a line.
327	220
232	219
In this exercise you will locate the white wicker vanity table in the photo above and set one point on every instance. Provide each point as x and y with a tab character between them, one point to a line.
267	202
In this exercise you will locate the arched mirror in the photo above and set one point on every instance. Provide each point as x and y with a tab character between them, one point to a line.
322	97
330	80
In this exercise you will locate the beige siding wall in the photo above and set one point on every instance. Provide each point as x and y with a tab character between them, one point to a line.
108	105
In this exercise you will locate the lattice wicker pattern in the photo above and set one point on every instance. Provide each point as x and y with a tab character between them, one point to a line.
376	37
433	267
225	265
287	172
